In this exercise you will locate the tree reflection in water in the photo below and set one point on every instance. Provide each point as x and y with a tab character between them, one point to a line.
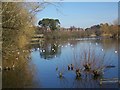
25	75
48	50
20	76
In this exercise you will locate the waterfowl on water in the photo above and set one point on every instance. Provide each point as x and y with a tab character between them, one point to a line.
68	67
56	68
13	66
115	51
18	52
7	68
43	50
53	49
72	66
16	58
102	49
68	43
38	49
55	44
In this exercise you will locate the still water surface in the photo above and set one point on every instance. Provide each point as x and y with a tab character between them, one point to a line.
61	54
47	56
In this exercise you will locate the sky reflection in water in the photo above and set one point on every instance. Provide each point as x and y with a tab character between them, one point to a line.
53	55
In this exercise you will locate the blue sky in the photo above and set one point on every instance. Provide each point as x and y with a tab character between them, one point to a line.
80	14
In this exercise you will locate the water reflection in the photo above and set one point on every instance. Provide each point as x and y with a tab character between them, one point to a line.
70	53
15	71
48	50
39	65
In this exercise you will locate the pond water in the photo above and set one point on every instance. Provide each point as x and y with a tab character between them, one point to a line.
49	58
54	55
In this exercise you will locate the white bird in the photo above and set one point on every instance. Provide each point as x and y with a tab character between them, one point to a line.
32	50
38	49
52	49
18	52
13	66
43	50
55	44
68	43
102	49
23	50
115	51
59	45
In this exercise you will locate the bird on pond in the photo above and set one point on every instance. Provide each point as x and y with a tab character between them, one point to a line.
72	66
7	68
115	51
68	67
102	49
13	66
57	68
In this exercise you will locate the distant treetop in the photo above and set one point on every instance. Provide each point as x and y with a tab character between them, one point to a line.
53	24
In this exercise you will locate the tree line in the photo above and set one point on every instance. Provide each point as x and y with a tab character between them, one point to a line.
51	29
